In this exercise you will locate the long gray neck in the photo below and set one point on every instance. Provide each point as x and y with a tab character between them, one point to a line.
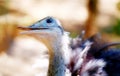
56	61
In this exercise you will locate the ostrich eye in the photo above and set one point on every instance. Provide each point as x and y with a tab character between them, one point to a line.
49	20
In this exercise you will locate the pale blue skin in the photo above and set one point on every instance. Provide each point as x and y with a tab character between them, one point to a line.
48	24
51	26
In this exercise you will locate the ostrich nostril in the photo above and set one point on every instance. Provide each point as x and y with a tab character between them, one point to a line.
49	20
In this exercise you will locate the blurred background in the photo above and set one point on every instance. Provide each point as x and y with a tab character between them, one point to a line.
94	16
75	15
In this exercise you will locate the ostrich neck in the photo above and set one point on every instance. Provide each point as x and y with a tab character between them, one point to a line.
56	61
54	44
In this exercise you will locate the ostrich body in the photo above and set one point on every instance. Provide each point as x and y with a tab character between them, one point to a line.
50	32
101	60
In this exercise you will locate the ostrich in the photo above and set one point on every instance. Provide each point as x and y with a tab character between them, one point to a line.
50	31
85	58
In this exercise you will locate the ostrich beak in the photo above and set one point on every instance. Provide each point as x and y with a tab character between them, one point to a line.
31	28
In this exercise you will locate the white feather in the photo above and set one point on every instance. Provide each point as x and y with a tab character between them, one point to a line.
65	47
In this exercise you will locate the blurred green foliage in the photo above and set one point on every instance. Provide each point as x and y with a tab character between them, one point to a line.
3	10
114	28
118	5
73	34
4	7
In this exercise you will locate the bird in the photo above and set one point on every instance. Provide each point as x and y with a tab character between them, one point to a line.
50	31
82	57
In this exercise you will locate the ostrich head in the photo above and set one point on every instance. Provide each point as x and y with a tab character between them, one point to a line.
47	26
49	31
